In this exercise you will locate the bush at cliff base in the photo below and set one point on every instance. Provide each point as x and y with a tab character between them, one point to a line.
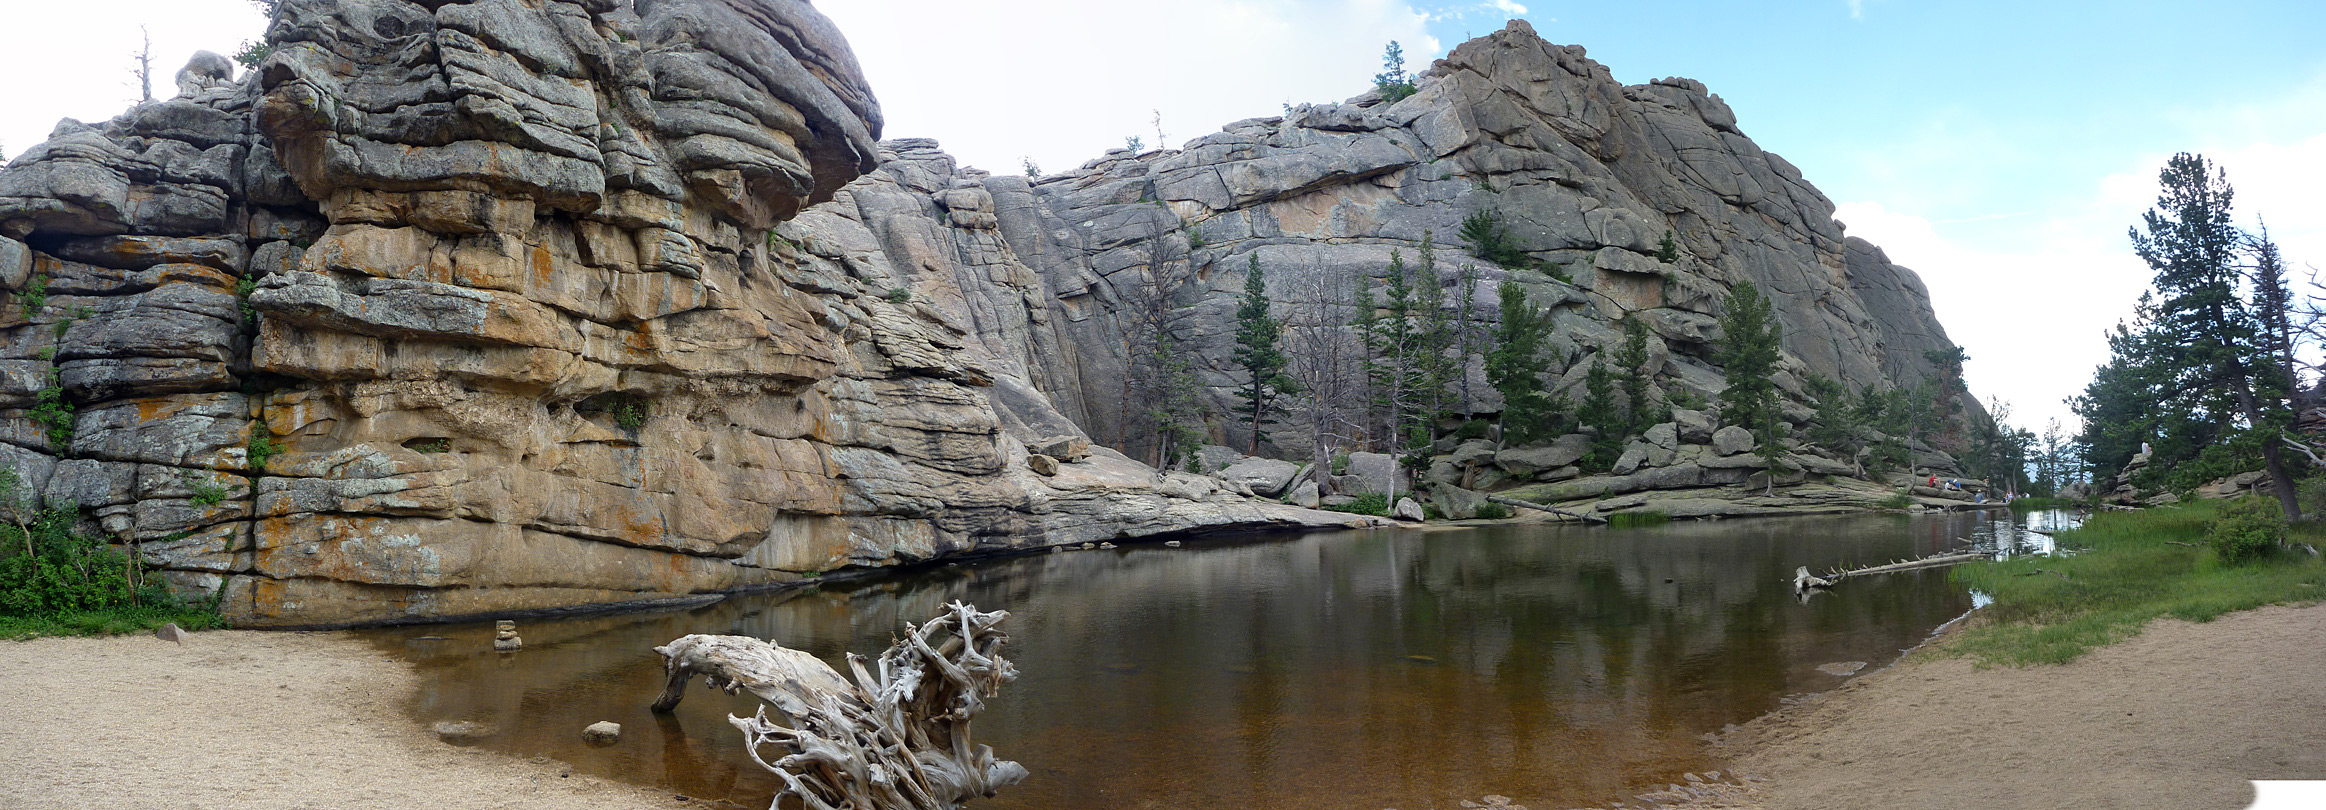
56	581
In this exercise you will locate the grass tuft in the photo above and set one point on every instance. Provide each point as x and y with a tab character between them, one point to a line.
2128	568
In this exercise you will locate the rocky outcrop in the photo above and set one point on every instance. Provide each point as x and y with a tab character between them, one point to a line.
1055	273
460	307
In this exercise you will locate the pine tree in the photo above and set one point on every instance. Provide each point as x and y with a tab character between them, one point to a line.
1512	364
1392	81
1259	350
1390	342
1600	417
1837	427
1748	354
1631	367
1668	251
2222	344
1465	335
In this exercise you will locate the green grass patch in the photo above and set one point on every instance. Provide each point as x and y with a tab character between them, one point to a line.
2127	569
1375	504
1629	520
1898	500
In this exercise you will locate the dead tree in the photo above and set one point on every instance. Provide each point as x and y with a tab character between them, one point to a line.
1322	355
896	738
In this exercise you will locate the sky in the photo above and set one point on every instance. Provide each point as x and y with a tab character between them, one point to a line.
2000	149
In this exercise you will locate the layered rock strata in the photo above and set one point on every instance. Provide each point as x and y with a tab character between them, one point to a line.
460	307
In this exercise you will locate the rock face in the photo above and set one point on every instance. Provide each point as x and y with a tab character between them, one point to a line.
1587	174
456	307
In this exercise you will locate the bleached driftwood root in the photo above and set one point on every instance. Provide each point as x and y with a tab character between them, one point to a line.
894	738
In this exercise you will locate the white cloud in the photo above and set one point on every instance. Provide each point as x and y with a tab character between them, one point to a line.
1508	7
72	60
1061	81
1857	9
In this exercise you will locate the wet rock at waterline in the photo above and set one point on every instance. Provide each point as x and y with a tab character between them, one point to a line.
603	732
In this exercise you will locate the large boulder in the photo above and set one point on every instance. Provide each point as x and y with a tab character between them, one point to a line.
1564	451
1371	473
1265	476
1731	440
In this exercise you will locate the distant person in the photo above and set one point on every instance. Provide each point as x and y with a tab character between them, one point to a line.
1934	480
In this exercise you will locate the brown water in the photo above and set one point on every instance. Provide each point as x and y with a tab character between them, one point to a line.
1382	669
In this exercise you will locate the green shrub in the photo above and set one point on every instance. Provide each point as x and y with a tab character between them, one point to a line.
1491	511
1471	429
57	581
1375	504
262	446
899	295
2248	529
206	493
1897	500
34	297
1629	520
1341	464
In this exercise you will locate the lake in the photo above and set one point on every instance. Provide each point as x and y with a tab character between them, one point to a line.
1396	668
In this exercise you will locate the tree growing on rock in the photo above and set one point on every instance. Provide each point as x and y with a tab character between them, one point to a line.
1748	354
1393	82
1600	417
1529	413
1837	426
1259	351
1631	365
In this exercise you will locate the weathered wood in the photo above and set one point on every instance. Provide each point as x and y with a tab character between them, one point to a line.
894	738
1909	565
1541	508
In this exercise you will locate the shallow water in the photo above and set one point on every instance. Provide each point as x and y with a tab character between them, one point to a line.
1559	666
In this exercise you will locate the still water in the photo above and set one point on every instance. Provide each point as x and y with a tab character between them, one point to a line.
1560	666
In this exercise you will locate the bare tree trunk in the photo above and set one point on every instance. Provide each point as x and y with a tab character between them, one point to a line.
144	69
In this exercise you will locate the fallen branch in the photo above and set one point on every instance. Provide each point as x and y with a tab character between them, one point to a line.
1909	565
895	740
1541	508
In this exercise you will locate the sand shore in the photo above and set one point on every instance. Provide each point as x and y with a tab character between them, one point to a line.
247	720
2178	718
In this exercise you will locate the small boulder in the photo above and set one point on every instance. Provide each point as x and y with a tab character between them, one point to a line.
1634	455
1307	495
603	732
1731	440
1695	427
1042	464
1408	511
1666	435
1063	448
1457	503
1215	457
171	632
458	731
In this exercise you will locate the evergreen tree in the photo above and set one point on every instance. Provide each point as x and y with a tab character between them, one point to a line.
1600	417
1434	341
1259	350
1393	82
1465	335
2221	344
1838	427
1668	251
1529	414
1747	354
1390	342
1631	367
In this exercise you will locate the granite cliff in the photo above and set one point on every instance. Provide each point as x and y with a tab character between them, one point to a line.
459	307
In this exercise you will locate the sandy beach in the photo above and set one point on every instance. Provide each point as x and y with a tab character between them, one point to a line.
2178	718
248	720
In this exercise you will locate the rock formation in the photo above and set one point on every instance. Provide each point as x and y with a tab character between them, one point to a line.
459	307
476	305
1057	276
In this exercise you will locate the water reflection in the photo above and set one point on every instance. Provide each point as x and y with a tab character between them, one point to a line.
1559	666
2006	535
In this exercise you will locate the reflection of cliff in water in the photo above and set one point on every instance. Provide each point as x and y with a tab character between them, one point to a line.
1558	666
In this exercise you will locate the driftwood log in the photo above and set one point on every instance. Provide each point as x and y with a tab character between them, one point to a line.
896	737
1541	508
